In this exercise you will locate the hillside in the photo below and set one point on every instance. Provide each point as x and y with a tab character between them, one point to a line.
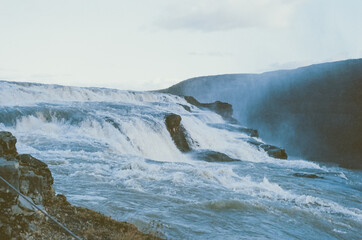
314	111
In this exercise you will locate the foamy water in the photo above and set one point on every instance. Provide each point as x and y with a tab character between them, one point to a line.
109	150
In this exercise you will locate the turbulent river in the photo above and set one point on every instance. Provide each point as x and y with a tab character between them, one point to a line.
109	150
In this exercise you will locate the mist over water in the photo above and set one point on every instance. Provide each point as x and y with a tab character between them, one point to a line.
110	151
313	112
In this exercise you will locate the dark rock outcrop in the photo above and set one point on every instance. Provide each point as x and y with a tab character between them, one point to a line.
307	175
249	131
274	151
7	145
114	123
36	179
222	108
212	156
271	150
187	108
31	177
21	220
10	172
177	132
236	128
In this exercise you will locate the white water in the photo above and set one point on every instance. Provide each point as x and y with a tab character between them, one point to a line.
110	150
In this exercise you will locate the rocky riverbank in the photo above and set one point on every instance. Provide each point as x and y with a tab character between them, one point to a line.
21	220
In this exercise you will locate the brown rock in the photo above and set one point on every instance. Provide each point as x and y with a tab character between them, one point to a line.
222	108
177	132
7	145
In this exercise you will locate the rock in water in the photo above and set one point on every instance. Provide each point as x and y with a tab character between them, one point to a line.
249	131
271	150
306	175
222	108
236	128
274	151
212	156
177	132
172	122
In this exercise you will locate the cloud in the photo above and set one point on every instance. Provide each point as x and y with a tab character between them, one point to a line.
210	54
221	15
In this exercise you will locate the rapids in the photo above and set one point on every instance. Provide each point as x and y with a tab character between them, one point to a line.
109	150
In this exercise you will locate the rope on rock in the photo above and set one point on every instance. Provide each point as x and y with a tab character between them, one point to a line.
41	210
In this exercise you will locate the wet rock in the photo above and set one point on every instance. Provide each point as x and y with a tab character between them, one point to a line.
274	151
253	142
7	145
271	150
212	156
114	123
177	132
306	175
187	108
222	108
193	101
236	128
173	122
249	131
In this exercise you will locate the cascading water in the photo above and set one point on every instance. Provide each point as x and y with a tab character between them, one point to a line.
110	151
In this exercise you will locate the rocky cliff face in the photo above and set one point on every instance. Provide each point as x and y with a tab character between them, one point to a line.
21	220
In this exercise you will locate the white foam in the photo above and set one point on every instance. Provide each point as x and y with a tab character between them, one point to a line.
342	175
139	138
263	189
272	191
339	231
75	197
327	206
298	164
26	94
206	137
122	149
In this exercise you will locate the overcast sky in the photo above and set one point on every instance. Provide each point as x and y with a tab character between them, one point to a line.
152	44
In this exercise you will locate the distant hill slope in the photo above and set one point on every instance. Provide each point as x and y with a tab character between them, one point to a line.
314	112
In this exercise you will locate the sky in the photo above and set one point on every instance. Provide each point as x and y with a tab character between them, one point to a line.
147	45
